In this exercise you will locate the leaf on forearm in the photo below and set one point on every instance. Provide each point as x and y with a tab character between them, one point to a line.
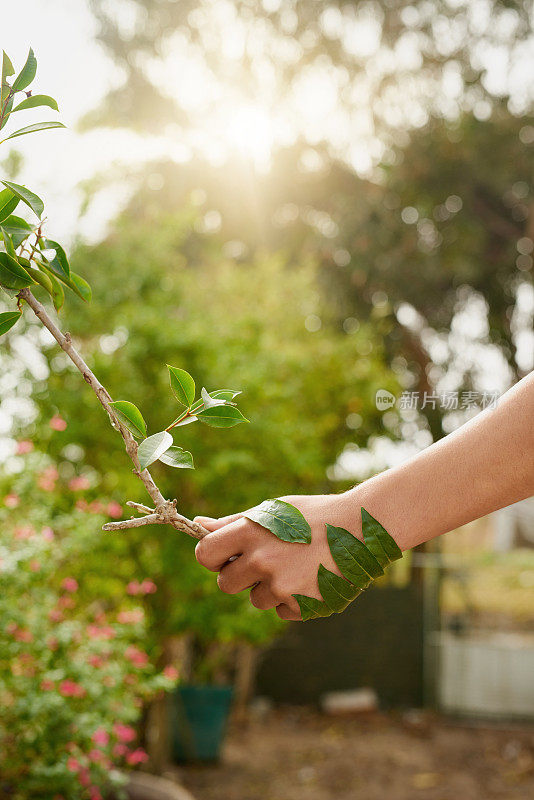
8	319
182	385
282	519
130	416
177	457
12	275
354	560
27	196
36	100
221	416
383	546
27	73
153	448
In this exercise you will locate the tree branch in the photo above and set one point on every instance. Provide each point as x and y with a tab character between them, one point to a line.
164	511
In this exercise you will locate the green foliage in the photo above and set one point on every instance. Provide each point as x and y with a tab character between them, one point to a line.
131	417
359	564
282	519
182	385
74	673
152	448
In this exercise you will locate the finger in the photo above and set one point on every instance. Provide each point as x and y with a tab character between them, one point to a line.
238	575
261	597
285	612
215	549
213	524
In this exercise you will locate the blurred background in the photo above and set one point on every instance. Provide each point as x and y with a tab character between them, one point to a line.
311	202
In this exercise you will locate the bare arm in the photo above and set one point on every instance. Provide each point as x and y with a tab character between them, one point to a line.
485	465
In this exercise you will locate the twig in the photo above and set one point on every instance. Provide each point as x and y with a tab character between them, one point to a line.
164	511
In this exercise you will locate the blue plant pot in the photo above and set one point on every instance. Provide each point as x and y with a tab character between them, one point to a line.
198	718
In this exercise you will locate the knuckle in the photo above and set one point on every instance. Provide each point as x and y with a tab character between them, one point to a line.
259	601
224	583
200	553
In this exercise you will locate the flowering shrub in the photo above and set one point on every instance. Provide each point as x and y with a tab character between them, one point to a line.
73	670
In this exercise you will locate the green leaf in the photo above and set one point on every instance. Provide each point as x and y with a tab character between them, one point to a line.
8	203
78	285
182	385
153	448
60	264
27	73
16	225
221	416
345	541
209	401
8	319
41	278
7	67
310	608
378	541
58	295
28	197
6	102
224	394
37	126
36	100
282	519
340	542
335	591
12	274
177	457
131	417
8	241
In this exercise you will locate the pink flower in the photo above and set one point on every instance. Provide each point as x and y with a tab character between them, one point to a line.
47	479
120	750
137	757
124	733
138	657
57	423
55	615
148	587
130	617
95	661
24	532
94	794
133	587
23	635
24	447
100	632
114	510
171	672
71	689
11	500
100	737
96	507
47	685
84	777
35	566
52	643
69	584
79	483
73	765
95	755
82	505
11	627
48	534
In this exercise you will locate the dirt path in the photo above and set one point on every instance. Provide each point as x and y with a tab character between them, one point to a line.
300	755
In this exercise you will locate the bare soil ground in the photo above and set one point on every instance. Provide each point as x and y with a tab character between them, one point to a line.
297	754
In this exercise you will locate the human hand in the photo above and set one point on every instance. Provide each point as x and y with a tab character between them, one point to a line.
248	556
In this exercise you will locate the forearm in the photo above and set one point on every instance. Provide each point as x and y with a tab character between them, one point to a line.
485	465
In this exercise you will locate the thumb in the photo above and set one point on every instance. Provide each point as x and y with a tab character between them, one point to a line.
212	524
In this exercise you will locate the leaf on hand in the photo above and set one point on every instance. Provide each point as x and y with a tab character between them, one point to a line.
131	417
282	519
310	608
221	416
8	203
8	319
36	100
27	73
177	457
12	274
27	196
153	448
182	385
37	126
336	592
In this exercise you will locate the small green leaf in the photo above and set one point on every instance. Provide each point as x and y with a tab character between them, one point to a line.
27	196
153	448
221	416
310	608
41	278
58	295
60	264
8	242
131	417
8	203
335	591
8	319
78	285
378	541
36	100
182	385
341	544
38	126
7	67
27	73
282	519
12	274
177	457
224	394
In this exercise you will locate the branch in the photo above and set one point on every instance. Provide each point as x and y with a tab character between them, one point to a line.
164	511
